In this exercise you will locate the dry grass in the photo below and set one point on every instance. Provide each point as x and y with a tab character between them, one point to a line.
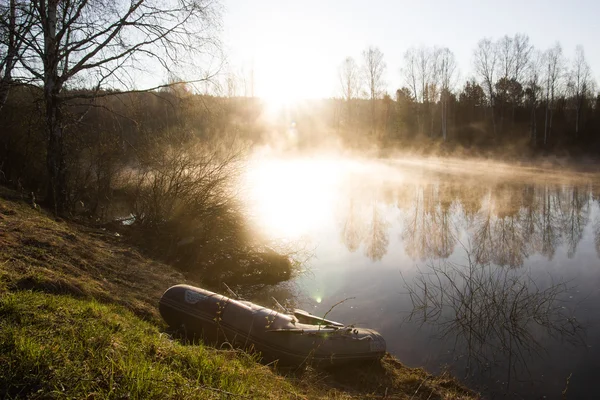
40	253
64	286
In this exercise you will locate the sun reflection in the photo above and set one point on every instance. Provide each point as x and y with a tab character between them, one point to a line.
289	198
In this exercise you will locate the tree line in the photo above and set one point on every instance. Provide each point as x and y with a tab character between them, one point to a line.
518	95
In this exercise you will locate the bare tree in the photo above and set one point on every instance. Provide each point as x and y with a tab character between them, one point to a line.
447	72
522	51
423	70
424	57
506	61
410	71
513	55
93	43
422	75
506	57
554	71
533	89
485	61
349	83
349	79
433	85
231	80
14	22
579	83
373	70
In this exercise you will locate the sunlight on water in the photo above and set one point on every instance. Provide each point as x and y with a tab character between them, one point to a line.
383	232
290	198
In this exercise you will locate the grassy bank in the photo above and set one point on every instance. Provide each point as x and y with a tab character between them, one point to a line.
78	318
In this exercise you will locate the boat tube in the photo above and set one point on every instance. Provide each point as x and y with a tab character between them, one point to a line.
295	338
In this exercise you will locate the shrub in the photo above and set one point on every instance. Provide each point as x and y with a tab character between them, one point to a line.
186	209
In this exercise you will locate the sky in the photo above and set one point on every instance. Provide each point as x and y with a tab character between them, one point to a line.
296	47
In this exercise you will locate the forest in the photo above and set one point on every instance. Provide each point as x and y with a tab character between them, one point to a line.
516	98
80	136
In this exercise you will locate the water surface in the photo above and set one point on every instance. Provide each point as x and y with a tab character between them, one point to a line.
485	269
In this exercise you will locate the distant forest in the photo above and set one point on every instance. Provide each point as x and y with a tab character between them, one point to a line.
519	97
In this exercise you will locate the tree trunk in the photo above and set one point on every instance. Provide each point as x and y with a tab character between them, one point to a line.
373	124
577	117
11	54
492	109
348	114
533	126
56	196
55	162
501	112
444	119
512	117
550	124
431	118
546	123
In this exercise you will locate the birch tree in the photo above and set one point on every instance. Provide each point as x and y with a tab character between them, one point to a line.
433	85
349	77
554	67
533	89
424	57
485	61
447	71
373	71
410	72
513	55
506	57
506	61
14	22
579	84
100	44
420	75
522	52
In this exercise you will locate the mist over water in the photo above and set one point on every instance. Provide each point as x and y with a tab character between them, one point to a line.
380	228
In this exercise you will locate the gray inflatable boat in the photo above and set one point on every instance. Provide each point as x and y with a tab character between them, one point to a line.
292	338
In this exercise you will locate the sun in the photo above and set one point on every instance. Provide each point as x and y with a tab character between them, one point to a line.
278	93
290	198
282	84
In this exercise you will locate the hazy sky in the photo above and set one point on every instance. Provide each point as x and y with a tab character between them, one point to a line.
297	46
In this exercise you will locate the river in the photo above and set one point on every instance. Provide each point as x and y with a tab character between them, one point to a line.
487	270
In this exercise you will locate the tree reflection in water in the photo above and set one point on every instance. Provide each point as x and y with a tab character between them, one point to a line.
597	235
353	229
505	222
498	318
429	230
502	311
377	238
366	223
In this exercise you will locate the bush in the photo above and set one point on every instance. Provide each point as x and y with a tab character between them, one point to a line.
185	208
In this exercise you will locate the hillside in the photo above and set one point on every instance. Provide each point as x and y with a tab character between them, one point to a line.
79	320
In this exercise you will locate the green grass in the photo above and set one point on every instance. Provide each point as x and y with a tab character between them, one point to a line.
79	319
63	347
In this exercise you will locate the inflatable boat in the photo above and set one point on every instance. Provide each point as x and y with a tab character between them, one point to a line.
294	337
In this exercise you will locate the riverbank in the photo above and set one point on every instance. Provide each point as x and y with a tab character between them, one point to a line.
79	316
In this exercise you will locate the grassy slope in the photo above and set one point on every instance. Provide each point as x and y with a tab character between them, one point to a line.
78	318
